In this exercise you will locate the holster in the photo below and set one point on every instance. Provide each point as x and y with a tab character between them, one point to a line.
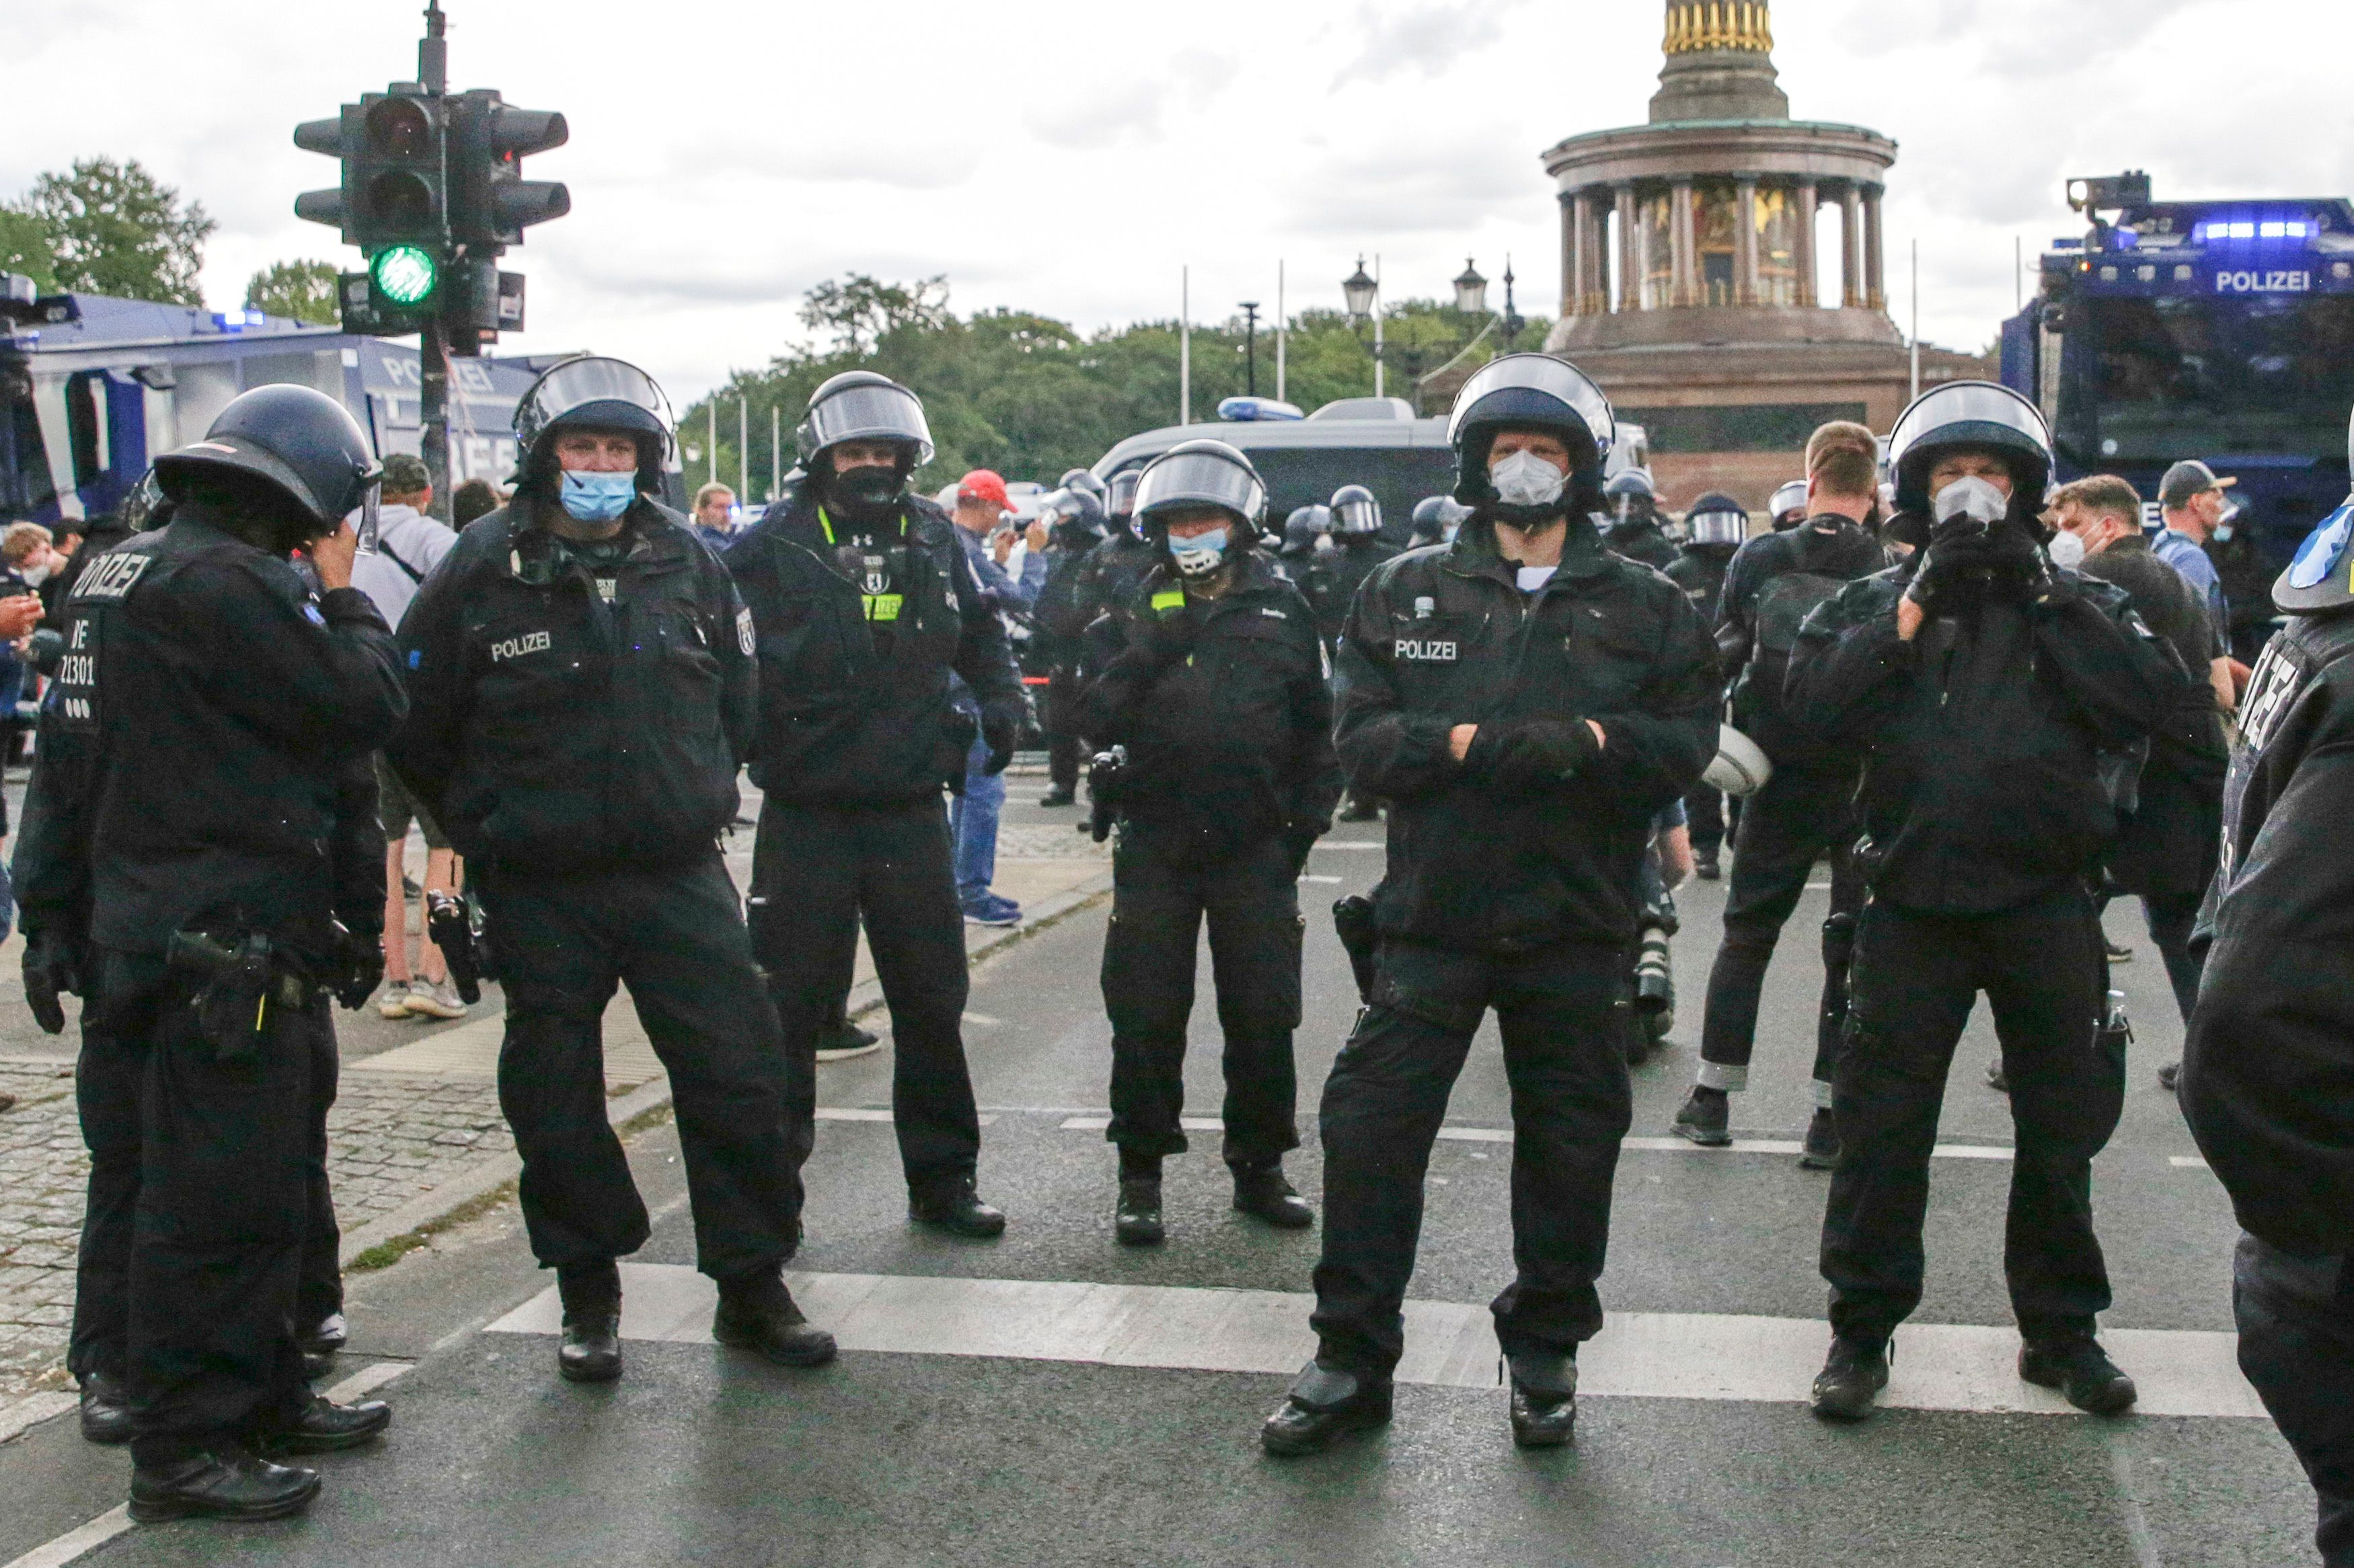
1353	922
451	923
240	981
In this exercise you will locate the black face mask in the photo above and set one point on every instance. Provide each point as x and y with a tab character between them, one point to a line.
866	493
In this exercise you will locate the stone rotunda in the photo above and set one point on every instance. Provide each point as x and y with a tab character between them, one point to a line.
1691	254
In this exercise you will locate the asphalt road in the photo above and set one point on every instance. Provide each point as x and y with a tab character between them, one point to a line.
932	1449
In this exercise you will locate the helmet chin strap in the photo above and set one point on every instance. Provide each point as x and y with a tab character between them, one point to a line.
1528	519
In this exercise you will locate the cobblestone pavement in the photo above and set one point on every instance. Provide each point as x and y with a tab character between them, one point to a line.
391	1138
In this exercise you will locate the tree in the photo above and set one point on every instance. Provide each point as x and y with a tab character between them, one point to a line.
858	310
25	248
302	289
114	229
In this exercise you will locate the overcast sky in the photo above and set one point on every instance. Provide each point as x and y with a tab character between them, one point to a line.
1068	156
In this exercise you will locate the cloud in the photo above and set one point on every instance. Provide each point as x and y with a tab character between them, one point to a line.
1079	118
1427	37
1414	185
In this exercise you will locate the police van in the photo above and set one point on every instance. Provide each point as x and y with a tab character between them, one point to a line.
1378	442
92	388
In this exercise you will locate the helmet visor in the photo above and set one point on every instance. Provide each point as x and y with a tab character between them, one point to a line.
594	391
363	520
1200	479
1359	517
1717	526
1791	497
869	412
1969	412
1544	376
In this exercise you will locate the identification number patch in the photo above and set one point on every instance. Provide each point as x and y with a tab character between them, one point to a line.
75	690
1426	650
516	647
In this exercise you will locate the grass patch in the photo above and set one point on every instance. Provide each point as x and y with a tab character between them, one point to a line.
384	1253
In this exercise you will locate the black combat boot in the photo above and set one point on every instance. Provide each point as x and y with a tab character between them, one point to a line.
1545	1398
1137	1219
1706	1117
2075	1365
319	1427
758	1313
957	1210
1262	1193
105	1409
1852	1377
1323	1406
591	1294
1821	1149
225	1481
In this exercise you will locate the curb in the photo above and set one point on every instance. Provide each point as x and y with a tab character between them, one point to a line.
867	996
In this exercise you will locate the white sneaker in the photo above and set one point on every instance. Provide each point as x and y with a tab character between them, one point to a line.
398	995
428	1000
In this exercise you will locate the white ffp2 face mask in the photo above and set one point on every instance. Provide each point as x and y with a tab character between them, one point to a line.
1524	478
1971	497
2065	550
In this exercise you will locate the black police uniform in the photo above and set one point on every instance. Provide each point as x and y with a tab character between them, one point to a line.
1639	537
580	710
1335	575
1984	811
1511	883
2166	848
858	628
1110	575
203	767
2268	1067
1699	571
1063	614
1223	708
1805	809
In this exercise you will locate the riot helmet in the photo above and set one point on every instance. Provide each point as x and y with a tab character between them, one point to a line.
1356	512
1119	499
2320	577
1084	480
594	393
1717	520
1530	392
1435	518
1981	415
1193	474
144	508
860	405
291	450
1077	507
1302	529
1788	507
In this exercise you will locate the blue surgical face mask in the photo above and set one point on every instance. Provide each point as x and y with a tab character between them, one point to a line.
1199	555
599	497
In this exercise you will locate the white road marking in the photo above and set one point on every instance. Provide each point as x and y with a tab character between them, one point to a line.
74	1542
1650	1355
2185	1162
1644	1145
982	1019
366	1381
868	1113
1305	878
1352	844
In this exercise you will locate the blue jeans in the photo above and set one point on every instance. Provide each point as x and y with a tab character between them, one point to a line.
972	823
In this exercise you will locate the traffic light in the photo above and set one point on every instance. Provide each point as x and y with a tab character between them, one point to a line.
392	204
491	204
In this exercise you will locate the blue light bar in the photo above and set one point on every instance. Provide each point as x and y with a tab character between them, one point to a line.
2252	229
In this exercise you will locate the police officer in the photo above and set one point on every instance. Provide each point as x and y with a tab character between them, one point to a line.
201	862
1984	685
1804	811
1527	701
1113	569
1356	547
2271	1048
863	604
1714	529
1436	519
1076	525
584	691
1215	681
1305	533
1636	529
1789	507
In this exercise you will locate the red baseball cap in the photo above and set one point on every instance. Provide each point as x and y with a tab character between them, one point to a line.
983	484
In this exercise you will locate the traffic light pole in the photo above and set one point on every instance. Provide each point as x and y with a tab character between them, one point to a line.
433	412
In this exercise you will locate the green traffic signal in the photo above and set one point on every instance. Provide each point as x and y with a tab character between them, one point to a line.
405	274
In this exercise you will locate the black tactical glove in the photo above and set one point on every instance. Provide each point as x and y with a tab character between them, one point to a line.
1521	755
53	966
1956	549
1000	730
358	968
1157	641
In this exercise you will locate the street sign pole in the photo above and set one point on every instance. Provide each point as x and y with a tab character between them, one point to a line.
433	412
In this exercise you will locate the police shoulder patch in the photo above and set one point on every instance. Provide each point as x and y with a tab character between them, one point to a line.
112	575
745	638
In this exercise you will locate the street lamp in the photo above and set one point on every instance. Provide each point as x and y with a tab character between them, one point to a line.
1513	321
1363	289
1360	291
1250	346
1471	290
